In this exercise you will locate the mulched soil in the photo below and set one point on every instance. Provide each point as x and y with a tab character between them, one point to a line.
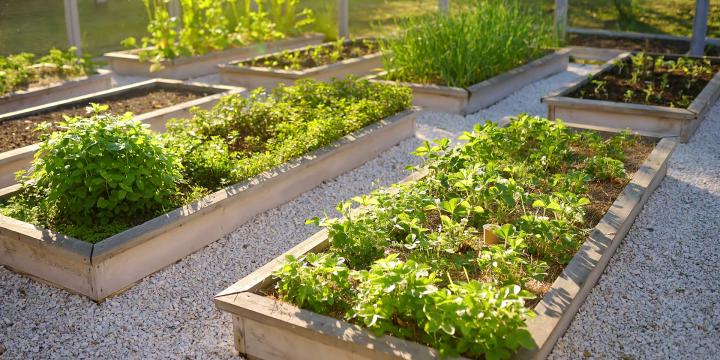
307	60
20	132
618	83
648	45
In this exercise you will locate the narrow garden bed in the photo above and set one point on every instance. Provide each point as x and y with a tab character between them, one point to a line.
320	62
28	82
655	95
463	62
153	101
216	170
486	252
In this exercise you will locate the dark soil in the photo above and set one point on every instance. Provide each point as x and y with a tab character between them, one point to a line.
311	57
20	132
660	86
648	45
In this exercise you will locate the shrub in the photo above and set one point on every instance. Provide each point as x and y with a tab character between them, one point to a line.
464	48
99	170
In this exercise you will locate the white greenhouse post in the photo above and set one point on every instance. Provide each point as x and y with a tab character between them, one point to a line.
174	10
697	43
343	18
443	6
72	24
560	20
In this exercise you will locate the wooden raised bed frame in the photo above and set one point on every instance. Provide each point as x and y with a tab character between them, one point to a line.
116	263
35	96
128	62
648	120
252	77
21	158
463	101
264	328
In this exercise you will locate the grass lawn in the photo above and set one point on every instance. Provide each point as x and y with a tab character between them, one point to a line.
37	25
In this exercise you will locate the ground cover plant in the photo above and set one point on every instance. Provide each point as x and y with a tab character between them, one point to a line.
22	70
412	261
211	25
315	56
466	47
651	80
105	173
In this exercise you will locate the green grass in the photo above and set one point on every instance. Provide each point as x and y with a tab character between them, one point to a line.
38	25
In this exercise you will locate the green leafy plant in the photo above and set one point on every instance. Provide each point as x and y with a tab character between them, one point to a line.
100	170
21	70
210	25
316	55
416	262
464	48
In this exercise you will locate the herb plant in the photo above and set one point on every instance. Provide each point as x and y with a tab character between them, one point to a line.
316	55
412	261
103	170
651	80
211	25
462	49
21	70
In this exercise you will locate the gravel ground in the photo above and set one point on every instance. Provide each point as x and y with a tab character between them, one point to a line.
660	294
171	315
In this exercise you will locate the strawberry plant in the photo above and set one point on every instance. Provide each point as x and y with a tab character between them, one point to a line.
413	258
21	70
315	56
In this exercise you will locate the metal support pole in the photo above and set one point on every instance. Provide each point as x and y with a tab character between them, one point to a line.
443	6
72	25
176	12
560	20
697	43
343	18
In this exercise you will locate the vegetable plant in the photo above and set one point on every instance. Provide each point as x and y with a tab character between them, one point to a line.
469	46
316	55
211	25
21	70
411	260
651	80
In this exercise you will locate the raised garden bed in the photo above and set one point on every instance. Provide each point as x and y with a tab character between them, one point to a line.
153	101
319	62
468	100
35	96
128	62
117	262
669	101
267	328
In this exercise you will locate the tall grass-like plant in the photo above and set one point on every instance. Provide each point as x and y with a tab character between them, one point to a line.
467	47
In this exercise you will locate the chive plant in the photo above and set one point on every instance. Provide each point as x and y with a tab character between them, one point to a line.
469	46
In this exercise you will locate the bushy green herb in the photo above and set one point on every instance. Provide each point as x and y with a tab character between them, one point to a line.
415	256
242	137
101	171
210	25
20	70
462	49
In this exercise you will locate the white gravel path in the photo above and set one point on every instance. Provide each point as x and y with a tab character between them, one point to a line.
659	297
171	315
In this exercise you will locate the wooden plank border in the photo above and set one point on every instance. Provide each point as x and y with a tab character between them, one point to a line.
252	77
128	62
468	100
269	329
36	96
118	262
648	120
21	158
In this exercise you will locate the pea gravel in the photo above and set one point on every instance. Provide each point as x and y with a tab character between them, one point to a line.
171	315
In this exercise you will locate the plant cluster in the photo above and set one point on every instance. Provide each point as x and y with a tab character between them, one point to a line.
210	25
412	262
465	48
241	137
102	171
652	80
20	70
105	173
315	56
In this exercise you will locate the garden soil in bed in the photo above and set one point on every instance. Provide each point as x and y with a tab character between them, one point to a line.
20	132
658	46
349	50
